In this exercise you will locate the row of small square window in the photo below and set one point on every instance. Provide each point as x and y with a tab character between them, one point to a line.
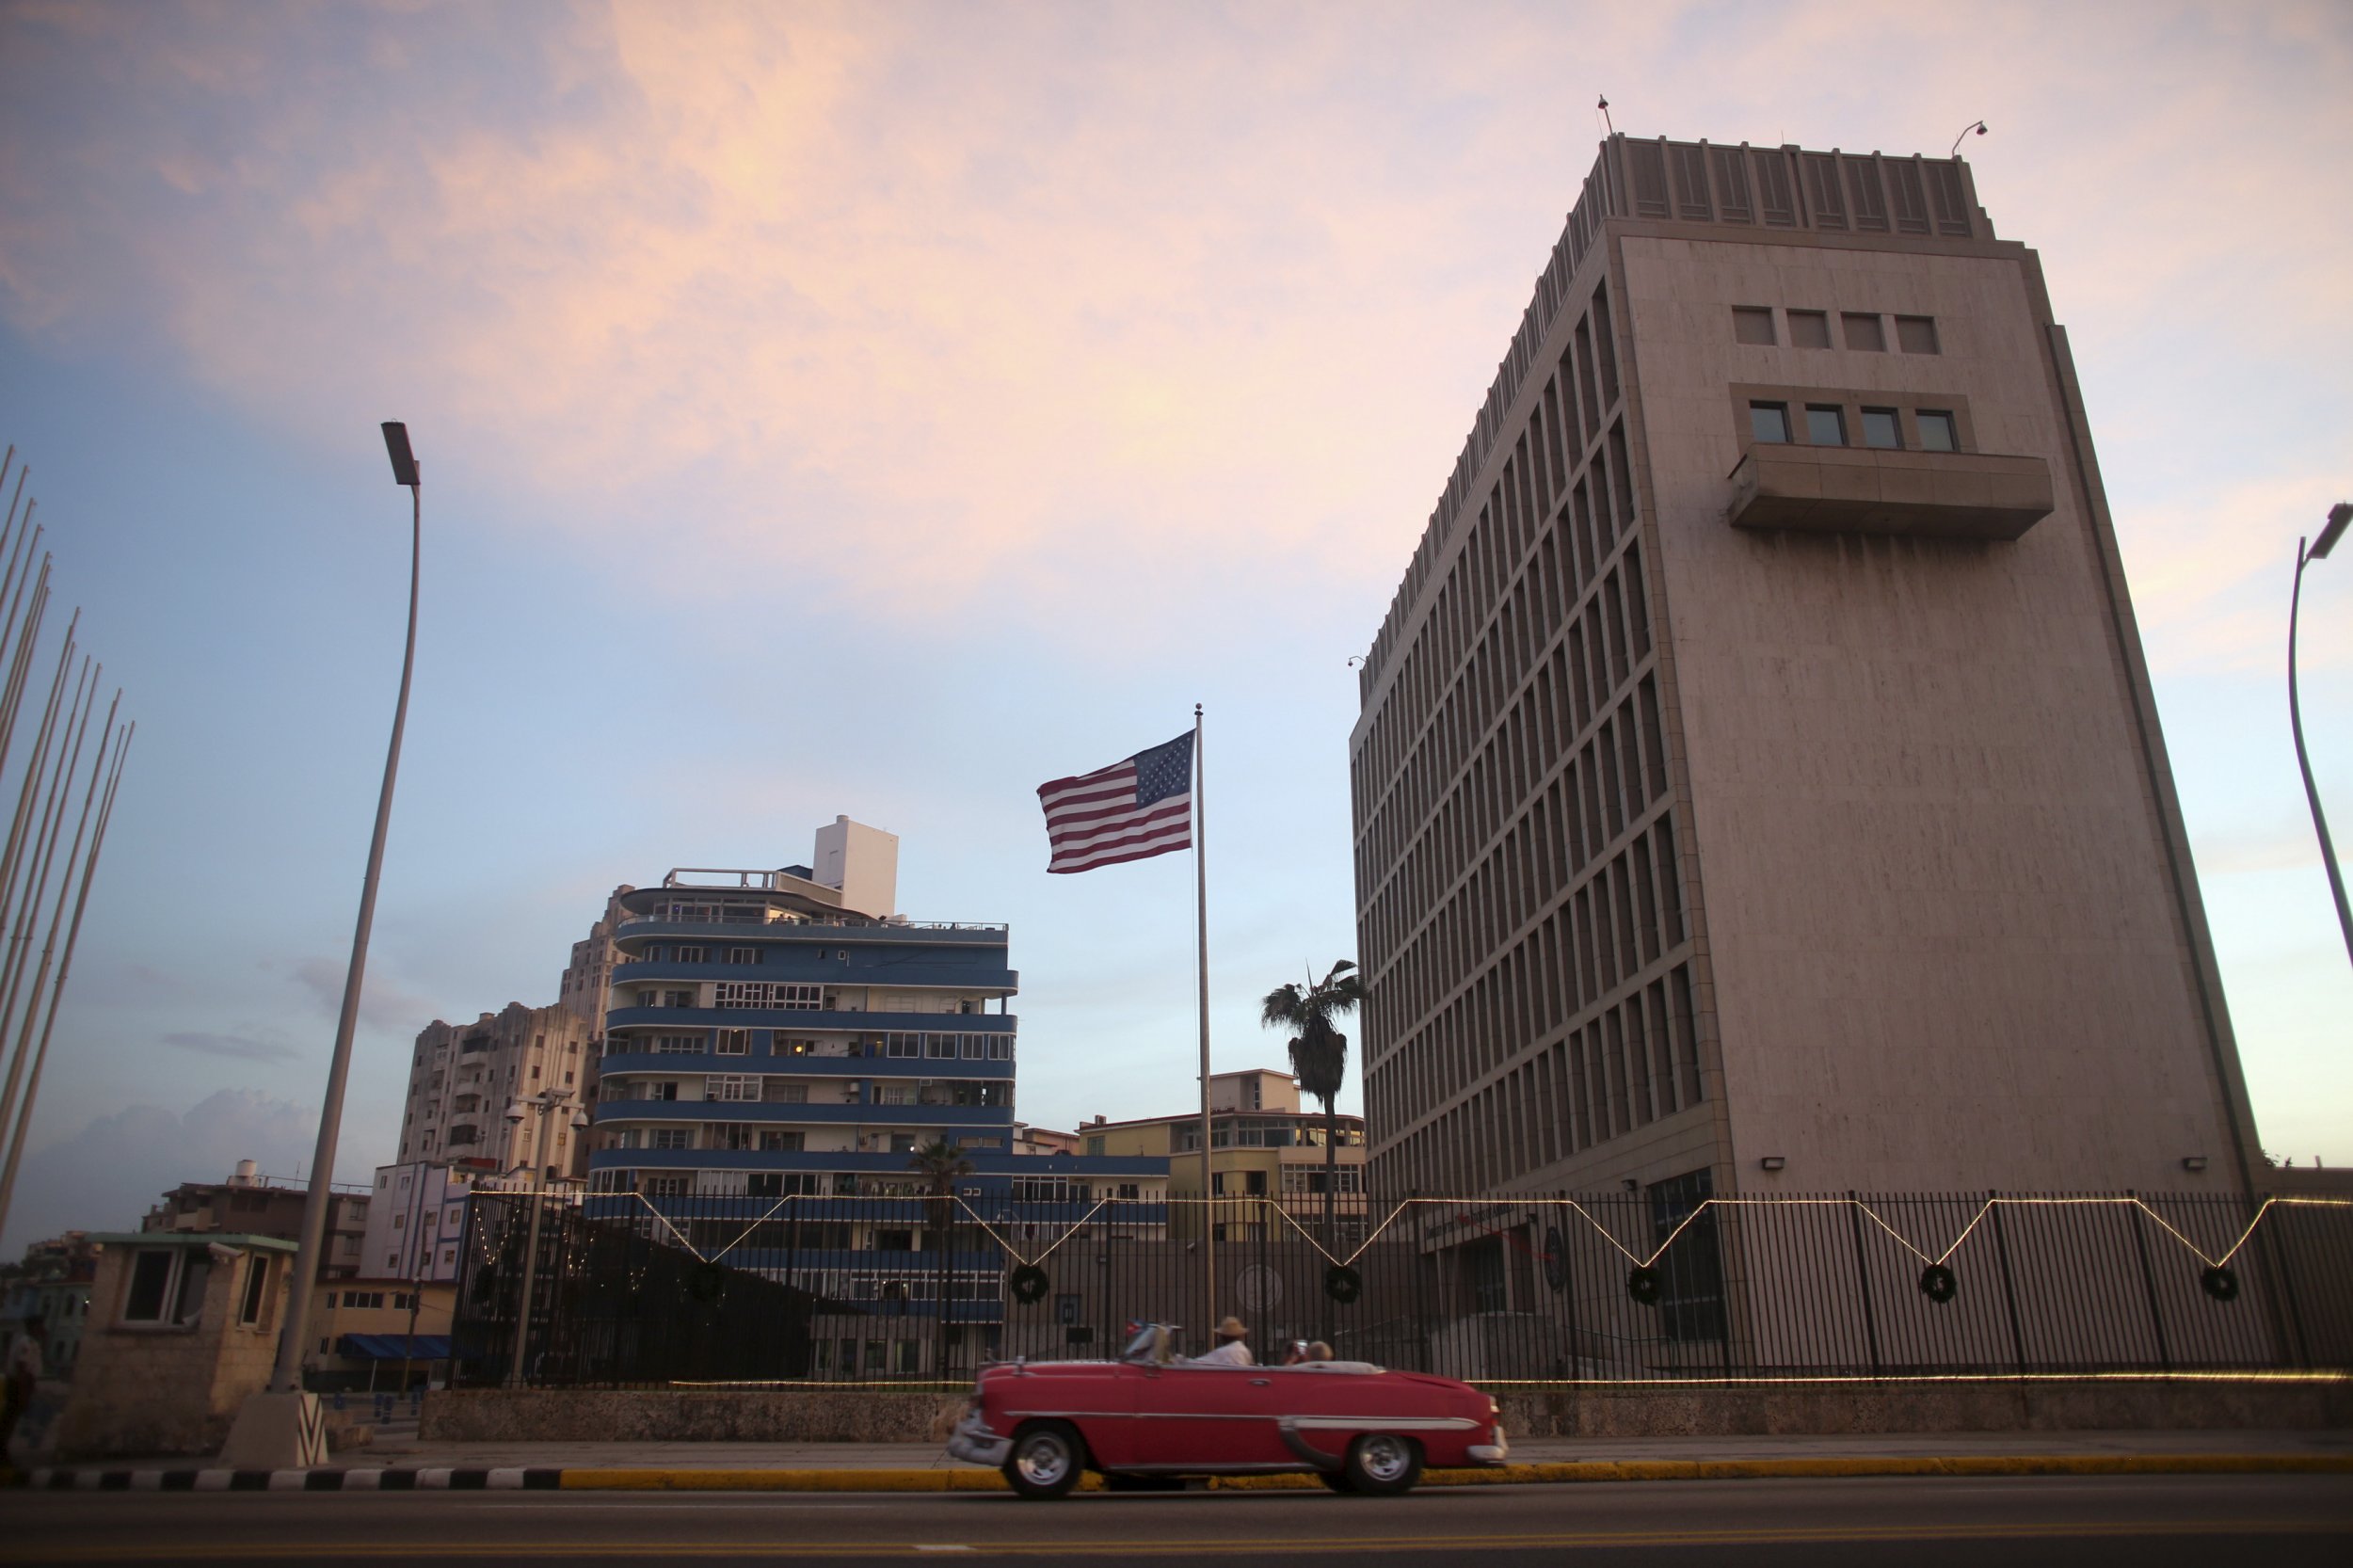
1826	426
1863	330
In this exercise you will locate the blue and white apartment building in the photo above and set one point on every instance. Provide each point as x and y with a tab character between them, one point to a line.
772	1033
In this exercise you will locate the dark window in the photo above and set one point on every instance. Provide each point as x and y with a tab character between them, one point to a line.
1881	428
1916	334
1864	332
1753	324
1937	433
1809	328
1770	422
151	1276
1825	424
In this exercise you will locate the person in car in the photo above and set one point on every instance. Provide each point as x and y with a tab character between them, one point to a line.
1230	1351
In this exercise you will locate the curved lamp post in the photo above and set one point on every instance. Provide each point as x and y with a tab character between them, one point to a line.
287	1376
2333	530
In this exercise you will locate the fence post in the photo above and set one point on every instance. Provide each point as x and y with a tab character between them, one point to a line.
2149	1281
2009	1294
1863	1275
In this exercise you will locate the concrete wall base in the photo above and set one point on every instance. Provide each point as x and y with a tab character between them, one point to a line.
881	1416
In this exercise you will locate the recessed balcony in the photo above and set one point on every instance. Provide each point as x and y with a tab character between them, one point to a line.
1846	490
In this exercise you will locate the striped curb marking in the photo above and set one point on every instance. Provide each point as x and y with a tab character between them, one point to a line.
536	1478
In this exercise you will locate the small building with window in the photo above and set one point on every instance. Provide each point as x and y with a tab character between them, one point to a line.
1266	1158
181	1328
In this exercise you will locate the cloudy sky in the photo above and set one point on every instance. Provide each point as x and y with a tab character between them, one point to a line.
881	408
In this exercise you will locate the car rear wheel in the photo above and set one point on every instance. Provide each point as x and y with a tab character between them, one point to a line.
1045	1459
1381	1465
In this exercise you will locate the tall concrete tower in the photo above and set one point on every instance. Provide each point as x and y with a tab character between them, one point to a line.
1758	786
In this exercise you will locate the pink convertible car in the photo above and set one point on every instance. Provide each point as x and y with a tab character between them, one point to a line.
1356	1426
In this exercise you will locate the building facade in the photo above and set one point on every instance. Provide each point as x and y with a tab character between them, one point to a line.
466	1079
1264	1151
251	1204
1757	785
782	1031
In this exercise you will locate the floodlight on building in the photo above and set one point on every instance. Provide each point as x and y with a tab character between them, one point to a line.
1773	1161
2193	1162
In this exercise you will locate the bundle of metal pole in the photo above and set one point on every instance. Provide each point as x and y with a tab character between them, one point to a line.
36	871
15	1140
286	1378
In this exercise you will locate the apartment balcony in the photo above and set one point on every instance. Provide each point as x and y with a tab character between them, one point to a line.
817	968
613	1114
675	1063
797	1020
1848	489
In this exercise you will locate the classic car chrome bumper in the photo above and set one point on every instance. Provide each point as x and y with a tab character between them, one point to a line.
973	1443
1491	1453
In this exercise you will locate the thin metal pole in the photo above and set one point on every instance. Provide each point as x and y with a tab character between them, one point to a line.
287	1377
1201	909
65	968
2303	764
531	1246
36	884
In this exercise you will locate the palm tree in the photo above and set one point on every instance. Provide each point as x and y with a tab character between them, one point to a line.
941	1161
1319	1052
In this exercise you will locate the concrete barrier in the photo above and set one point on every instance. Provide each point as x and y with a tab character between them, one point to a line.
1608	1410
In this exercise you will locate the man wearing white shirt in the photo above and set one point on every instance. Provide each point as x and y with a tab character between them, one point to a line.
1230	1351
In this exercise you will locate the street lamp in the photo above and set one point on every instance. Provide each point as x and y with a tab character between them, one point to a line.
283	1425
2331	531
545	1103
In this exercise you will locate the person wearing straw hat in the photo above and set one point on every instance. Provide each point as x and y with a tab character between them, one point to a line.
1230	1351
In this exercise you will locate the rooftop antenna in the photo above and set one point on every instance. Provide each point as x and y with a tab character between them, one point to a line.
1977	126
1606	124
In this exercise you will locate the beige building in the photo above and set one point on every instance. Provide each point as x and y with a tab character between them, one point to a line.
183	1327
465	1078
1758	786
1263	1147
251	1204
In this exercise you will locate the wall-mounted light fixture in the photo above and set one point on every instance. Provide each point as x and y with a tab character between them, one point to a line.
1631	1184
2193	1162
1773	1161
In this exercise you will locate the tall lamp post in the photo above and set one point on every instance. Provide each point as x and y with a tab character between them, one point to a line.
287	1377
2331	531
545	1102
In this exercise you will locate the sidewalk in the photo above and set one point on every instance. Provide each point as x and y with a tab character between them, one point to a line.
414	1464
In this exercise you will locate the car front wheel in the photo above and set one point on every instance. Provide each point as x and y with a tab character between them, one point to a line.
1045	1459
1381	1465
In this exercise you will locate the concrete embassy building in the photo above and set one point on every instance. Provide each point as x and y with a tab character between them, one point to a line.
1758	786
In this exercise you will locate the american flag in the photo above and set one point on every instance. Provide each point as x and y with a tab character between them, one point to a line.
1131	810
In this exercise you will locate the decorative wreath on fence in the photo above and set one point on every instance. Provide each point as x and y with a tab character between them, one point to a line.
1938	1284
707	1282
1343	1283
1642	1285
1028	1284
2219	1283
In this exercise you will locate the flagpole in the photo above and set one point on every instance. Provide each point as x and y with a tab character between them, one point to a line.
1201	908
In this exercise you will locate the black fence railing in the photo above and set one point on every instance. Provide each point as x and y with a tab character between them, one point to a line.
627	1290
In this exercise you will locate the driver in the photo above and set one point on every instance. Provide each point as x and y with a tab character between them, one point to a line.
1230	1351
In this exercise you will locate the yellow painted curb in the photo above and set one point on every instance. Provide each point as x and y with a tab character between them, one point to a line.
974	1479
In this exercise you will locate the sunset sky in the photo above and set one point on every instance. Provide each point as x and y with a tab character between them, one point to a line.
882	408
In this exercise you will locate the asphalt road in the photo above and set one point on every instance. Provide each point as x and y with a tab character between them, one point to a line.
2278	1521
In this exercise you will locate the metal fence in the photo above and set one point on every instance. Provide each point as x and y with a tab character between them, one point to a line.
629	1290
